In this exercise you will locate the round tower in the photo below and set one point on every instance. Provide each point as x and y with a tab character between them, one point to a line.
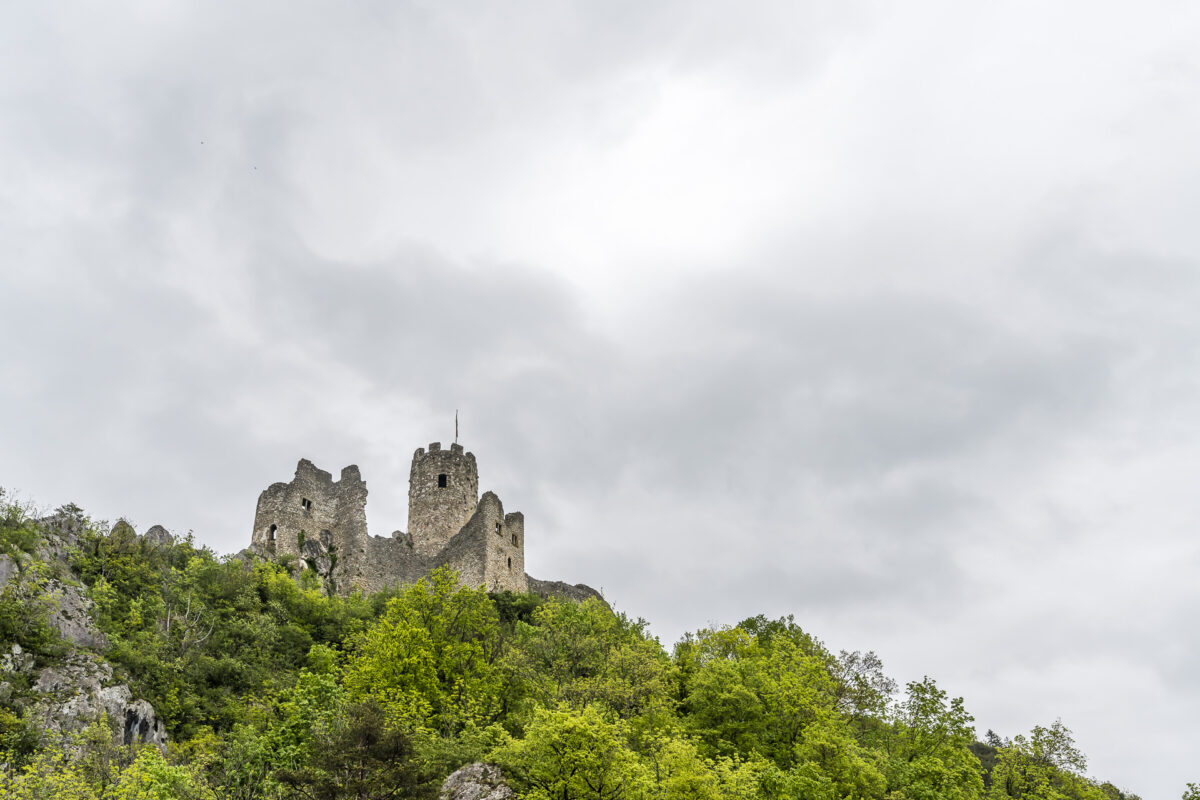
443	492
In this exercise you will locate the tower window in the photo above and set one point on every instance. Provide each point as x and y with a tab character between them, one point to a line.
271	533
442	481
497	528
510	563
515	542
306	504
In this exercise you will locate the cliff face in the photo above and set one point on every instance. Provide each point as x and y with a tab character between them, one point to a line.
76	687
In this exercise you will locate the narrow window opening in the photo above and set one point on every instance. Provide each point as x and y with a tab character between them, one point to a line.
271	533
515	542
442	481
306	504
510	564
497	528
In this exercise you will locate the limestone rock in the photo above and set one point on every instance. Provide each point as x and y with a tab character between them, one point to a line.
72	616
62	530
477	782
15	661
8	568
78	692
158	536
547	589
316	554
141	724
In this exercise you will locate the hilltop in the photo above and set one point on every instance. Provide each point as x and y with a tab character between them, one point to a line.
146	666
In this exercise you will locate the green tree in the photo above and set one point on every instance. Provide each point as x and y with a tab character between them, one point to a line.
358	755
51	774
430	660
746	692
930	748
828	750
150	777
574	754
1046	765
583	653
679	772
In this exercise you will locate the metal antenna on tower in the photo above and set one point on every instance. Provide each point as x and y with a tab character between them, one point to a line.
456	426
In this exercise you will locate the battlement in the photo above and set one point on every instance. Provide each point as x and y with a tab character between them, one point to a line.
456	449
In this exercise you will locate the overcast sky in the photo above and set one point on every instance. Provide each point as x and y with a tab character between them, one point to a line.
882	315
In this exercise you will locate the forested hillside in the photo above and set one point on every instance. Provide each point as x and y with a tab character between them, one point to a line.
268	687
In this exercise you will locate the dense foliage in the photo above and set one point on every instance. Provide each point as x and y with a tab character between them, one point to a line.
271	689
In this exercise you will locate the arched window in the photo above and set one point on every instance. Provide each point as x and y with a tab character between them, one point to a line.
271	533
515	542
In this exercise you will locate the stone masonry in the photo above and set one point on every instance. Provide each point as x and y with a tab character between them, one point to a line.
322	523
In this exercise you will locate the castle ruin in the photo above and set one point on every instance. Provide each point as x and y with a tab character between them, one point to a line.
322	523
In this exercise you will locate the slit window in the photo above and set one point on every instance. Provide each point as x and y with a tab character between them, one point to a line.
515	542
442	481
510	563
271	533
497	528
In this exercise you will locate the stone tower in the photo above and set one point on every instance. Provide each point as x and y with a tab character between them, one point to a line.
443	493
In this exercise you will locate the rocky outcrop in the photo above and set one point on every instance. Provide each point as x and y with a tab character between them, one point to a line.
71	614
15	661
80	691
61	531
315	553
78	688
158	536
8	568
547	589
477	782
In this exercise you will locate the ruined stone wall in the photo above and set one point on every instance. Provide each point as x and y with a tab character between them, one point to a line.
443	491
465	553
309	504
348	548
315	518
388	562
493	560
513	547
448	526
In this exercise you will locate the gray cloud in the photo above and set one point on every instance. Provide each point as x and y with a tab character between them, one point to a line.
881	317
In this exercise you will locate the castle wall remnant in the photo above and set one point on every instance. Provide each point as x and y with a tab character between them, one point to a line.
322	524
